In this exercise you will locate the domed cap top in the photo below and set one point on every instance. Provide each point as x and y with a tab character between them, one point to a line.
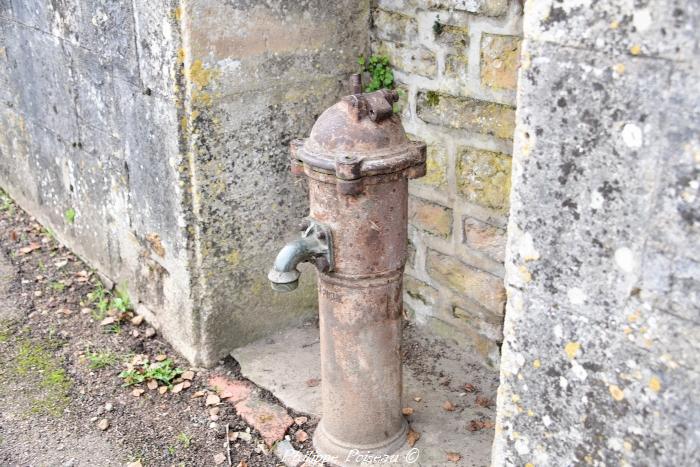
359	136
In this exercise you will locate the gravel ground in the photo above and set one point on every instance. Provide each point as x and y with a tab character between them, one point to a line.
62	401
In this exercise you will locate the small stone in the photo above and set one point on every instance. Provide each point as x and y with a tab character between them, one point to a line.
213	426
407	411
199	394
108	320
212	399
137	392
137	320
301	436
152	384
134	333
219	458
134	464
214	411
186	384
448	406
244	436
300	420
188	375
103	424
109	407
417	399
150	332
177	388
163	389
161	357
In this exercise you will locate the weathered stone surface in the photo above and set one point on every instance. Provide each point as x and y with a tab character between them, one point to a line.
500	58
483	177
419	60
393	26
110	112
481	286
419	290
485	238
231	390
430	217
436	168
466	113
601	333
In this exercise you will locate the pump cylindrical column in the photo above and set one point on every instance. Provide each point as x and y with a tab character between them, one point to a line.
360	307
358	161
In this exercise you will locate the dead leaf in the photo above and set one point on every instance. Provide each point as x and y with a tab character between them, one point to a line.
64	311
103	424
476	425
186	384
412	437
469	387
301	436
300	420
156	244
313	382
152	384
449	406
137	392
483	401
199	394
161	357
177	388
242	464
188	375
13	235
453	456
137	320
108	320
219	458
29	248
407	411
163	389
212	399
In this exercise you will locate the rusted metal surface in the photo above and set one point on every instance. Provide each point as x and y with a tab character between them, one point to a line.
358	161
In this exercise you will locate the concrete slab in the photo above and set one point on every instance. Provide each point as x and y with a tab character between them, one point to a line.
435	371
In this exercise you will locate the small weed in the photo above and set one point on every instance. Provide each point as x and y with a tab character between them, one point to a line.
115	328
171	450
184	440
160	371
42	266
6	203
380	71
438	27
47	232
100	360
70	215
104	301
58	286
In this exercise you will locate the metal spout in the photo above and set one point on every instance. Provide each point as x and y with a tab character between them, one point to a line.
313	246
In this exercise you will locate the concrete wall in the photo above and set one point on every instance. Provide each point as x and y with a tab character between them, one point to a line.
456	65
164	125
602	337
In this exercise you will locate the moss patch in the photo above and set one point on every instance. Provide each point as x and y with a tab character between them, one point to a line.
46	380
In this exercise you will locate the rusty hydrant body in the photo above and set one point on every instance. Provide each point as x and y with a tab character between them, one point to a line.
358	162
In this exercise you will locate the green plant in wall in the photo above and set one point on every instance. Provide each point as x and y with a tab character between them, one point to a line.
70	215
381	75
438	27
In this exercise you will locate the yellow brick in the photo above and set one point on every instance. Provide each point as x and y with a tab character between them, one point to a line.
430	217
483	177
500	56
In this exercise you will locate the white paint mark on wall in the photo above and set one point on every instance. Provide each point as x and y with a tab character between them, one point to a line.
597	200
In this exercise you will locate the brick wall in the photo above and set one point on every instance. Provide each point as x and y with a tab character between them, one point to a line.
456	65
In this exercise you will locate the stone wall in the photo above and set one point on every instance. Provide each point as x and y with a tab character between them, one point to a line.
164	126
455	65
602	339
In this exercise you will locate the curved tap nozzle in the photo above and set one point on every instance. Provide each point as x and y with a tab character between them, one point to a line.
313	246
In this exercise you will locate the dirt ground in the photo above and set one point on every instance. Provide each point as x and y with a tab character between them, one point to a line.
62	401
